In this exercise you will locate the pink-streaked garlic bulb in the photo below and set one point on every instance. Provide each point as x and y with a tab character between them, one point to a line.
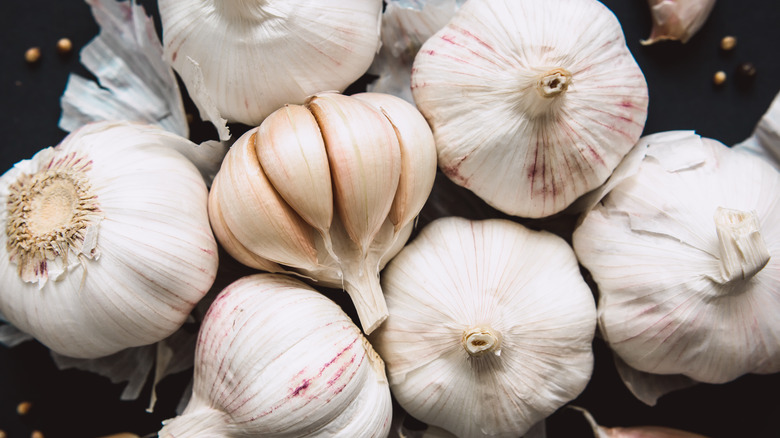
685	250
677	20
532	103
275	358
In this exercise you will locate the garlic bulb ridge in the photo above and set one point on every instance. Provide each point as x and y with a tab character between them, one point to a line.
557	74
329	190
106	238
248	58
275	358
490	327
689	273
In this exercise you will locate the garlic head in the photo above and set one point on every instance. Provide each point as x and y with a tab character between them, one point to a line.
532	103
275	358
329	190
685	251
248	58
106	240
490	327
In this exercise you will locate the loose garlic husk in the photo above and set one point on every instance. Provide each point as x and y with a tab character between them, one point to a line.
490	327
330	189
532	103
677	20
275	358
247	58
106	240
685	250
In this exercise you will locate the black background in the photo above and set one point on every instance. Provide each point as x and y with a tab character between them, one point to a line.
78	404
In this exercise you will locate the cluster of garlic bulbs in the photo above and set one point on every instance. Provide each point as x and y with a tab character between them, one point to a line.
106	242
260	372
329	189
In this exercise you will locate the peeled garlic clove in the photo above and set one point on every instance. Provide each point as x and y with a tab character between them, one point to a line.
676	296
418	155
533	118
106	241
677	19
483	313
255	213
277	359
365	179
253	57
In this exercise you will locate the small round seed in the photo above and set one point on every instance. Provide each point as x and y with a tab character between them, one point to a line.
36	434
719	78
23	408
728	42
64	46
2	434
32	55
746	70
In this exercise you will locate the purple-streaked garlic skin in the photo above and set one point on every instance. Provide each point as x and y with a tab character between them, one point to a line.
677	20
275	358
532	103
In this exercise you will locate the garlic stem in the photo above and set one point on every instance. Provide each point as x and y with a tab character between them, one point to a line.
743	252
480	340
362	285
554	82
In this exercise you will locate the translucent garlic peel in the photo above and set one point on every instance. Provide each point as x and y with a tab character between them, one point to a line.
145	258
255	56
677	20
276	359
492	62
495	280
655	250
329	189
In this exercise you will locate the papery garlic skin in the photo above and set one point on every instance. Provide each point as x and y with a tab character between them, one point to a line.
532	103
122	263
275	358
254	56
685	251
490	327
329	190
677	20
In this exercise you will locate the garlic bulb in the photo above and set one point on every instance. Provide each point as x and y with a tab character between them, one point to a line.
330	189
490	327
277	359
532	103
106	241
685	250
253	56
677	20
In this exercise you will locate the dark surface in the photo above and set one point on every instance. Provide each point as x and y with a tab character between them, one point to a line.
79	404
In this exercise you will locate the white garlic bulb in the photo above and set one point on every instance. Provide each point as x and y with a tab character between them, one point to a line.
685	250
677	20
249	57
330	189
106	242
275	358
490	326
532	103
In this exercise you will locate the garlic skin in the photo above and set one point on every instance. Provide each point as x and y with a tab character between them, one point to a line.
329	190
677	20
685	251
253	56
490	327
275	358
531	118
106	240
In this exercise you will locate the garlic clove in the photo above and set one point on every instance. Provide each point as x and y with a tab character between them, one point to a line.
365	179
230	243
418	155
677	20
292	152
570	98
633	432
256	214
